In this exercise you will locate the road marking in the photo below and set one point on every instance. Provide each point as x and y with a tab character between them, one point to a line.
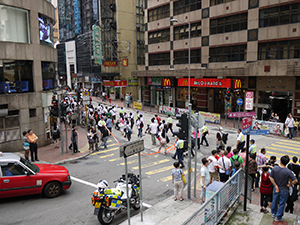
104	151
275	154
294	142
282	150
115	159
159	170
151	164
129	162
164	179
288	144
83	182
105	156
147	205
285	147
111	145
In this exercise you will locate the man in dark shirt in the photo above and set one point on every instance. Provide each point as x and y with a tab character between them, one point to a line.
295	167
280	178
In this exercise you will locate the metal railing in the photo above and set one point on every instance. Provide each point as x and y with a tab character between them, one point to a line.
214	209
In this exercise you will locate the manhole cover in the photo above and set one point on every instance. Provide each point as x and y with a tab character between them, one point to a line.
92	163
169	192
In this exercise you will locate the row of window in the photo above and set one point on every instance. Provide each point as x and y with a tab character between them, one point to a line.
182	57
159	59
229	24
159	13
159	36
280	15
182	32
183	6
217	2
228	54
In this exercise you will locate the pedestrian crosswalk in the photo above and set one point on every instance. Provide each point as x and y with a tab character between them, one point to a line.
283	147
159	165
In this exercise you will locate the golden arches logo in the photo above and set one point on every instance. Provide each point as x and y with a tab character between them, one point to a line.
185	82
167	82
237	84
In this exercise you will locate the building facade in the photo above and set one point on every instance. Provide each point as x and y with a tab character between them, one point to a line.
27	70
254	43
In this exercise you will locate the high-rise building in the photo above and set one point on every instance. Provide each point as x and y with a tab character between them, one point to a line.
27	70
244	45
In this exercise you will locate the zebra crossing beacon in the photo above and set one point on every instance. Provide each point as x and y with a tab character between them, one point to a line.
126	150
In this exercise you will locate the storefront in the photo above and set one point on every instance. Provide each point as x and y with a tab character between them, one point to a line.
115	89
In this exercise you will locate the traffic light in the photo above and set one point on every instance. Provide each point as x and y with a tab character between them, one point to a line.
63	109
54	108
228	94
182	132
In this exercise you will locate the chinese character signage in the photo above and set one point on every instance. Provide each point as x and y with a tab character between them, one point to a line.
206	82
97	44
154	81
110	63
120	83
249	100
124	62
108	83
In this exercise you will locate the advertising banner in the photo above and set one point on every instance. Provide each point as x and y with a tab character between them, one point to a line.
179	111
167	110
274	127
211	117
205	82
97	44
249	100
138	105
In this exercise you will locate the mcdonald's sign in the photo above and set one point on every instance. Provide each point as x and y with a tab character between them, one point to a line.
236	84
166	82
205	82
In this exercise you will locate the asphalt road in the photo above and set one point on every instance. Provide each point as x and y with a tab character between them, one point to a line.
74	205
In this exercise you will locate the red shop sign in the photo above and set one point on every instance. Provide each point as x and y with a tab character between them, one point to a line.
108	83
120	83
205	82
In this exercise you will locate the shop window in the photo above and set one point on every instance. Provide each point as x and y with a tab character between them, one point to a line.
229	24
10	127
228	54
48	75
279	50
279	15
14	24
183	6
159	36
159	13
32	113
182	57
16	76
217	2
182	32
159	59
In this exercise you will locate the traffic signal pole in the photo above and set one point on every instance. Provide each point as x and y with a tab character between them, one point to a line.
189	151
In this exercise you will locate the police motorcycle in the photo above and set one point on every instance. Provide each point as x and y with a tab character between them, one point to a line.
109	202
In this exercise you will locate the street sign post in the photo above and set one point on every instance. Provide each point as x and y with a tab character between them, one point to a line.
259	132
239	102
247	123
241	114
126	150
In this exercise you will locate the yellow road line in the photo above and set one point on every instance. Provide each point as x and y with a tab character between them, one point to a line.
282	150
288	144
115	159
292	141
111	145
151	164
160	170
285	147
129	162
165	179
104	151
267	156
105	156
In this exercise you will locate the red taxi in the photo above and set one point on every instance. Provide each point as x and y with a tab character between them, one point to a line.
19	177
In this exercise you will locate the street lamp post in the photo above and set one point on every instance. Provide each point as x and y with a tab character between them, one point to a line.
190	111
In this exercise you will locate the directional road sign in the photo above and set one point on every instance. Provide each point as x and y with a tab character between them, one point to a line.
247	122
240	114
239	101
131	148
259	132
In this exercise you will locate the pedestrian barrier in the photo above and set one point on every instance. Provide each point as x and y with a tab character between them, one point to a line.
216	207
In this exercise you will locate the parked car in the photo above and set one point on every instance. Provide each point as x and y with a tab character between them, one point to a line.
20	177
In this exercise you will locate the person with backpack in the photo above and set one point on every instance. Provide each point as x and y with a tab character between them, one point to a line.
128	131
139	126
224	167
236	158
219	141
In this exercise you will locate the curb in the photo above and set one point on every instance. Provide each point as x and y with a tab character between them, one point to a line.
70	160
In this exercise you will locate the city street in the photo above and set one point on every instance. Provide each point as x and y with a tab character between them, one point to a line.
74	205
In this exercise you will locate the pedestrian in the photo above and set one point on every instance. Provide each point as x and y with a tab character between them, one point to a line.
236	158
261	160
104	137
109	123
121	112
90	137
252	148
33	145
240	140
179	151
293	196
139	126
55	134
225	167
243	154
153	131
293	166
157	118
163	140
177	175
252	170
279	177
170	124
198	137
212	167
96	138
265	189
128	131
205	178
296	127
272	161
101	124
131	120
26	145
219	141
230	153
205	132
289	123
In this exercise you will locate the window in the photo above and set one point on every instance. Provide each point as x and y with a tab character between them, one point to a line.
12	169
229	24
228	54
32	113
159	13
183	6
48	75
16	76
279	15
10	127
159	36
46	30
182	32
159	59
279	50
182	57
217	2
14	25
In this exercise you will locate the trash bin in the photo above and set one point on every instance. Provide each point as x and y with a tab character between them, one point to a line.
109	100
